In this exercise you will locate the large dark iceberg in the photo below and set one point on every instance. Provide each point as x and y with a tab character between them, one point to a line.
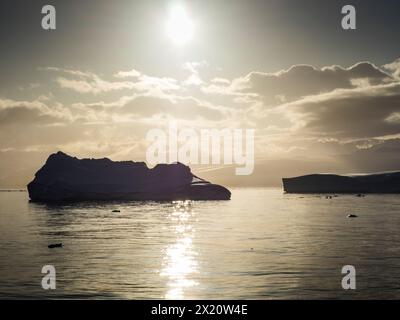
66	178
330	183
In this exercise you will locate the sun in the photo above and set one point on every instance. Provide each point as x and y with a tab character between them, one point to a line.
180	27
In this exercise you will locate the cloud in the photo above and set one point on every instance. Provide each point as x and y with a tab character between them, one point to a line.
393	118
95	87
76	73
147	105
299	81
305	103
128	74
361	113
90	83
180	107
14	112
221	81
193	67
394	68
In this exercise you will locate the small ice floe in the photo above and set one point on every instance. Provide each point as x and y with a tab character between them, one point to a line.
55	245
116	210
352	216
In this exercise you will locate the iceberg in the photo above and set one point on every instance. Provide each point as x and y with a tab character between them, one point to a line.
66	178
386	182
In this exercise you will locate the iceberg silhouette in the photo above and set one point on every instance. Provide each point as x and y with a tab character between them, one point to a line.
386	182
66	178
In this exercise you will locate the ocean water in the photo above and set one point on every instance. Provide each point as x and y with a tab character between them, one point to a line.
263	244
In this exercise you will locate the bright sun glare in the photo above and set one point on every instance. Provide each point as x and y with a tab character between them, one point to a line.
180	28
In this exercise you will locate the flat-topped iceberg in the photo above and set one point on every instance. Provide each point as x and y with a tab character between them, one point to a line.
66	178
387	182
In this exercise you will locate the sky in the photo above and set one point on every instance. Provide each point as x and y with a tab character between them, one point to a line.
320	98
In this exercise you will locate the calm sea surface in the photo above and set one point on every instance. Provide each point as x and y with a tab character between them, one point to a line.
262	244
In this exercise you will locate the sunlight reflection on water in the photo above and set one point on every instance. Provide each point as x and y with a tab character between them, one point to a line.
179	261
